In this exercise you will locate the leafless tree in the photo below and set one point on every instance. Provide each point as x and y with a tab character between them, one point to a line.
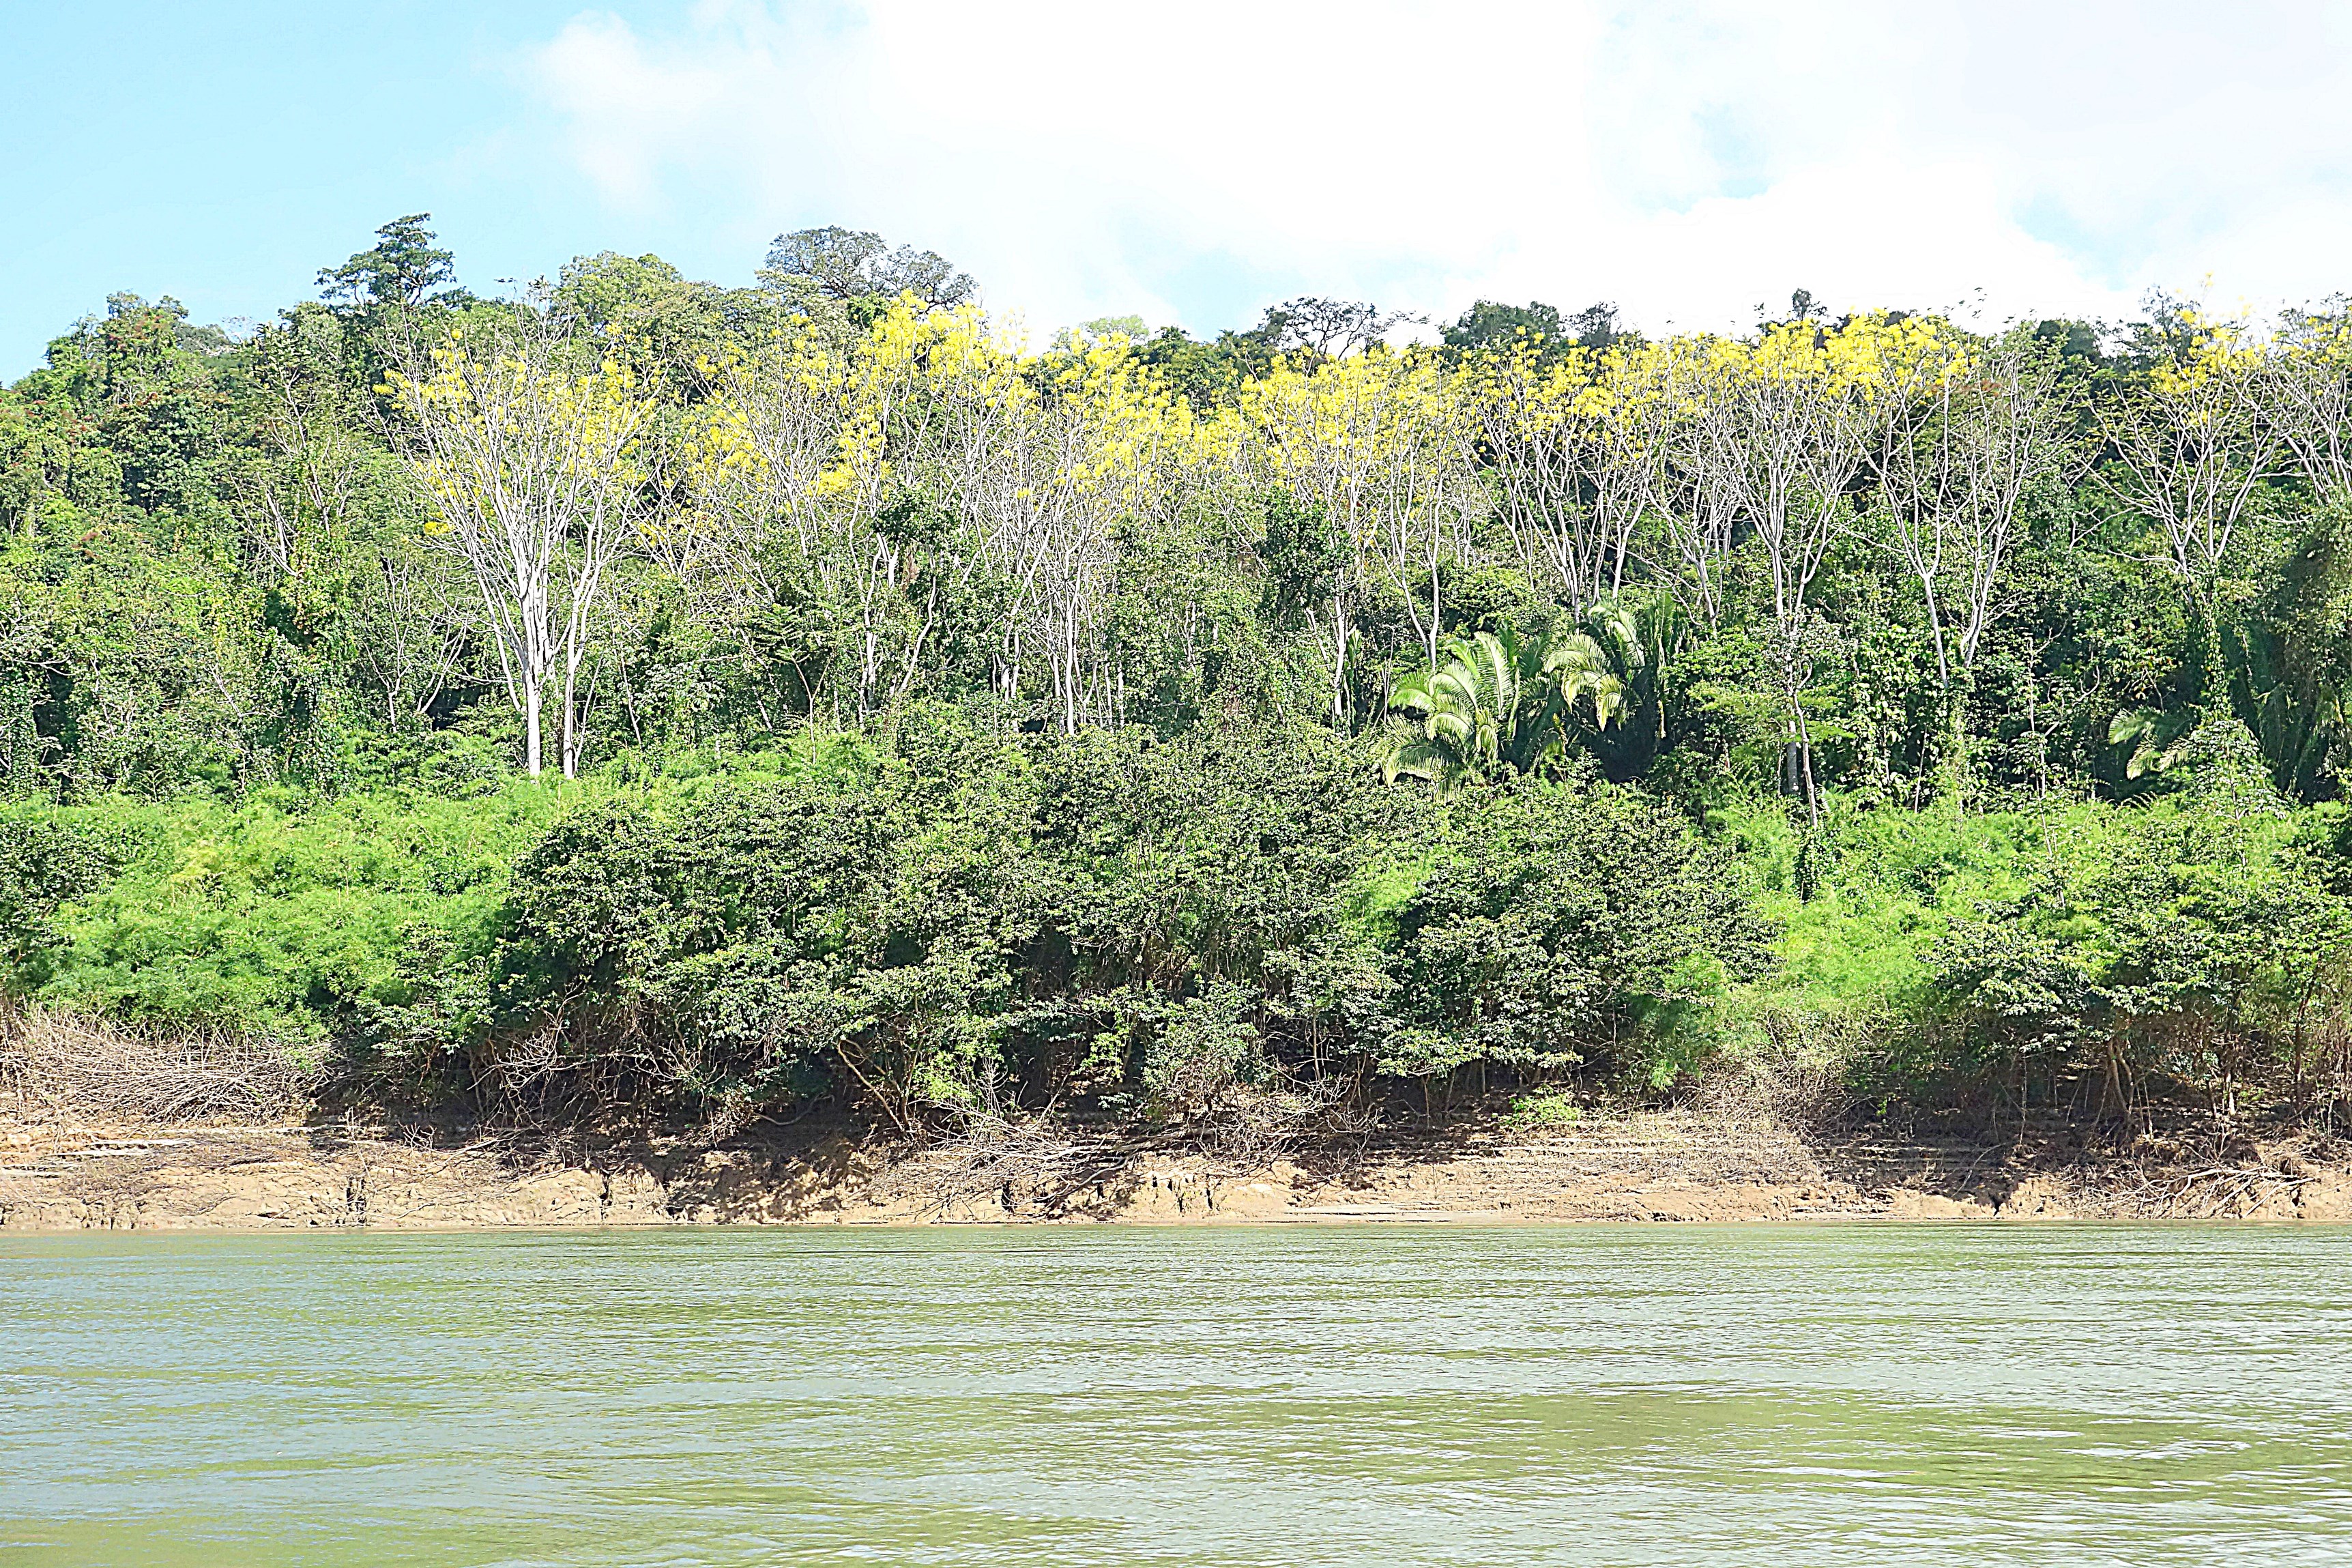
2191	451
526	454
2307	388
1971	432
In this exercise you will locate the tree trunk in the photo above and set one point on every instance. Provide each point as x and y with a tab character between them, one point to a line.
1339	667
2212	679
1956	716
531	702
574	721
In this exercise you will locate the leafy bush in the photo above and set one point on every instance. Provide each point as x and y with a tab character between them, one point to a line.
1557	928
1209	1045
364	924
1540	1111
773	941
44	863
1160	924
2182	948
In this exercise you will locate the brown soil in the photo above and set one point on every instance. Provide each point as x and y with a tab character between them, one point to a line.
61	1172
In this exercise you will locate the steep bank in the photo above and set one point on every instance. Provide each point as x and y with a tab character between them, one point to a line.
61	1173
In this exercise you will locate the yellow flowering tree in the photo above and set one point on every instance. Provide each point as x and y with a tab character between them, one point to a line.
1774	433
1377	443
1691	500
1573	442
1973	429
2307	388
923	481
2191	450
527	456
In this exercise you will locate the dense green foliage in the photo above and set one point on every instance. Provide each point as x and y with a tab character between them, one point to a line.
897	786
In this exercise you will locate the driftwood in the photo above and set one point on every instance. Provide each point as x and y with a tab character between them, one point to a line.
76	1066
1029	1162
2215	1192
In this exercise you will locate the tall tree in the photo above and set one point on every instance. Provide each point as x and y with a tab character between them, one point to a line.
833	273
1973	432
401	272
528	457
2191	448
1784	427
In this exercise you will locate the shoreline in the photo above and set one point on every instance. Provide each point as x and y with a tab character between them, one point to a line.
59	1175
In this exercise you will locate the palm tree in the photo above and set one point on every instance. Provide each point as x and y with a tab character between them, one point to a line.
1496	701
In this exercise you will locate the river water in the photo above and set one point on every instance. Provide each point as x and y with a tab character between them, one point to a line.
1751	1395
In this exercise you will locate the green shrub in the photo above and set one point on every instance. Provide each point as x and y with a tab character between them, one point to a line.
773	941
1209	1044
2187	947
1541	1111
363	924
1559	927
45	862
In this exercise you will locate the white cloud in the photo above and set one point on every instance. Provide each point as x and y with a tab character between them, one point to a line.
1690	162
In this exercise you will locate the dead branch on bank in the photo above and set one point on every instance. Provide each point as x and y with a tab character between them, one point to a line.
2221	1192
1032	1163
68	1067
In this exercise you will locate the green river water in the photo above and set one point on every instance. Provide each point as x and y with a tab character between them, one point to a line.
1755	1394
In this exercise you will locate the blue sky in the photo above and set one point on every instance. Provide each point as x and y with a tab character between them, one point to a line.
1192	163
224	153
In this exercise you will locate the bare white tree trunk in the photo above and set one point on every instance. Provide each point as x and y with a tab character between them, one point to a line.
1781	434
526	454
2192	450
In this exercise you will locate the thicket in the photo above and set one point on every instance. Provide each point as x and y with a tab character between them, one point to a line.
725	701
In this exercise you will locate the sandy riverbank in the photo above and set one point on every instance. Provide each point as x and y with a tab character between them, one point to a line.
59	1173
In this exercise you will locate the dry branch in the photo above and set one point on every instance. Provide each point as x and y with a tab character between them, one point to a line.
76	1066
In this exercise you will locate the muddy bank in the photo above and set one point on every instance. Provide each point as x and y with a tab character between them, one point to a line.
63	1173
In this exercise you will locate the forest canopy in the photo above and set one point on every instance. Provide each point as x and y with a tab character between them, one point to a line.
729	699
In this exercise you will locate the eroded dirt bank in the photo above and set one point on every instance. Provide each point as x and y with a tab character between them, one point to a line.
59	1173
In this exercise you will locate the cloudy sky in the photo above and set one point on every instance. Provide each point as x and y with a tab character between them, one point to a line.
1193	163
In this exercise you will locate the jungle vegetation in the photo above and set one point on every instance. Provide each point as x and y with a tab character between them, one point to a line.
723	702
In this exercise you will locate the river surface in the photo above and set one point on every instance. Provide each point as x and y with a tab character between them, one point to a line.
1753	1395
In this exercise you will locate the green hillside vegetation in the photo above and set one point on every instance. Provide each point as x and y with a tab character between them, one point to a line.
638	694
